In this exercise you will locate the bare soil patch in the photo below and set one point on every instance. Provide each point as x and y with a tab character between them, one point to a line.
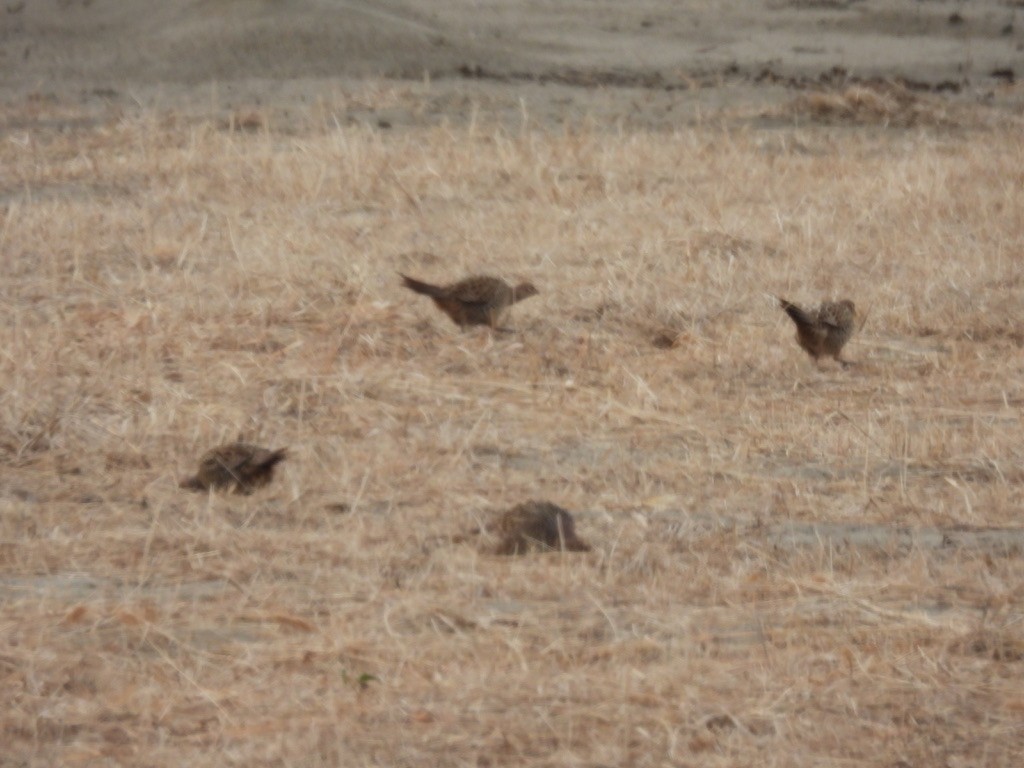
656	61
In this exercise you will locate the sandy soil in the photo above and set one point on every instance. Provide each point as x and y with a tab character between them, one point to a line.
259	51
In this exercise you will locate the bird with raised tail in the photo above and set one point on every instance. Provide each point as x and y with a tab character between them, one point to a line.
237	467
480	300
824	331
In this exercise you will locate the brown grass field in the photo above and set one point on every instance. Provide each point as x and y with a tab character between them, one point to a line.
792	565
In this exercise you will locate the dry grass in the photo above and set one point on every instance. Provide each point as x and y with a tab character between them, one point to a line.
791	566
884	102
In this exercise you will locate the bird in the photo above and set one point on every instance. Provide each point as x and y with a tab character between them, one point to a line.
823	332
239	467
479	300
538	525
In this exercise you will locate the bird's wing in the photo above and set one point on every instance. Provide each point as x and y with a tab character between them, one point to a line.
833	316
478	290
233	458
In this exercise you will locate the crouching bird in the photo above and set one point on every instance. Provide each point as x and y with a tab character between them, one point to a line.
238	467
537	525
480	300
823	332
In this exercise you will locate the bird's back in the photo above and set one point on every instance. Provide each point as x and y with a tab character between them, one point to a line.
536	524
839	319
242	465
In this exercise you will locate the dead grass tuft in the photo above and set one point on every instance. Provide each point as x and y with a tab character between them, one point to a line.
883	102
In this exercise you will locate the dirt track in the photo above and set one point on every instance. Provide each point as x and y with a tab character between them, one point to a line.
133	52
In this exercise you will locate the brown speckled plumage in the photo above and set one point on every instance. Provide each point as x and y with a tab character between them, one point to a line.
478	300
238	467
537	525
823	332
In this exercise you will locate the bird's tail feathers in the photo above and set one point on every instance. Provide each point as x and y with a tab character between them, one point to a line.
192	483
420	287
798	315
275	456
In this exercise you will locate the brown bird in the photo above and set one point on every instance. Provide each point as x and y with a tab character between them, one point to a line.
538	525
478	300
239	467
823	332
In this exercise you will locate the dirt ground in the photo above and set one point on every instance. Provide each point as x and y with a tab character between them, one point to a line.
203	210
628	60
